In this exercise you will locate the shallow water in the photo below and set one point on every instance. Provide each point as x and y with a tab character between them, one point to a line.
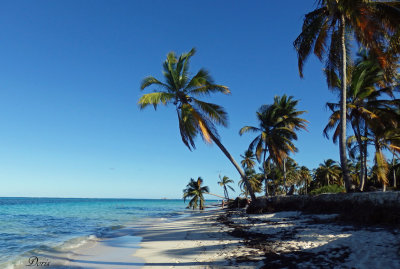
32	224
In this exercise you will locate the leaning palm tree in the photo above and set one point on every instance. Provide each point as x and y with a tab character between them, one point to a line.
194	116
224	182
326	30
195	191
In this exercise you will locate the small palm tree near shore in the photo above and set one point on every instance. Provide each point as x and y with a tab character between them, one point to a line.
195	190
195	117
224	182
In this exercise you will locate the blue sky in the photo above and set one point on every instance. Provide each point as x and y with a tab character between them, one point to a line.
69	83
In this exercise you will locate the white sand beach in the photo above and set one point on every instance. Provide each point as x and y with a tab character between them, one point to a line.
220	239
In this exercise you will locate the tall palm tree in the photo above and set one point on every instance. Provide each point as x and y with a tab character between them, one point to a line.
195	191
384	136
224	182
364	100
328	172
326	31
194	116
290	118
276	131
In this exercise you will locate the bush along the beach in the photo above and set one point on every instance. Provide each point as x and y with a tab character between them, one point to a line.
328	189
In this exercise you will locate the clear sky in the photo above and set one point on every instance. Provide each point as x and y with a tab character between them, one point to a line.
69	84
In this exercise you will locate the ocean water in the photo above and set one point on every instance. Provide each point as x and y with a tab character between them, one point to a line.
32	224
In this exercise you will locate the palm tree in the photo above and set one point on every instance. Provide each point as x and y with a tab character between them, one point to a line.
224	181
290	118
384	136
248	160
328	172
395	170
194	116
326	30
195	191
363	103
304	173
255	180
276	132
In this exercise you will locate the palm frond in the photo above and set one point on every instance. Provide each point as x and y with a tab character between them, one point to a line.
246	129
155	99
215	112
148	81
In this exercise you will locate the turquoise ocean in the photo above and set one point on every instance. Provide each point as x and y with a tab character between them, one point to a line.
31	225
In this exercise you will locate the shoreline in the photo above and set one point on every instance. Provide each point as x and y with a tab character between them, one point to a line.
223	238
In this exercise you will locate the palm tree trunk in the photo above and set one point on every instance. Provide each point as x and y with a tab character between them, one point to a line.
266	176
343	110
229	156
214	195
357	132
394	173
365	150
284	176
226	192
380	165
306	183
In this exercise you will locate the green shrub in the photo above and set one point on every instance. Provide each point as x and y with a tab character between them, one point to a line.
328	189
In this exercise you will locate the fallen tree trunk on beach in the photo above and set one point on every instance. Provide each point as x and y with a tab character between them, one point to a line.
224	198
370	207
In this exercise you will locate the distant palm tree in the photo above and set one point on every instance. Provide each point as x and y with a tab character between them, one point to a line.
328	172
248	160
304	173
326	30
224	182
395	170
195	191
276	131
255	181
194	116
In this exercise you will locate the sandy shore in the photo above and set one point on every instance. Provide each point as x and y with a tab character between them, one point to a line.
198	241
232	239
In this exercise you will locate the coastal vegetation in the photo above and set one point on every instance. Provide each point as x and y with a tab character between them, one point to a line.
328	30
367	87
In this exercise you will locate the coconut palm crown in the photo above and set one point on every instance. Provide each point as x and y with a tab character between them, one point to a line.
194	116
277	125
